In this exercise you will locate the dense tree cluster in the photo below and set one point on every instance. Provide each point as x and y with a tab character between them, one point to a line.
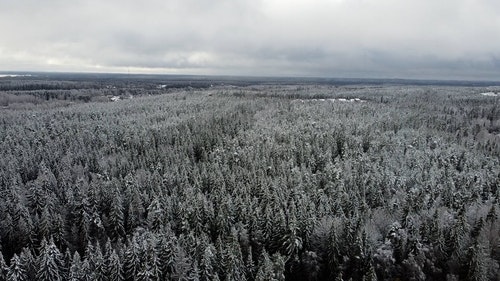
254	183
42	88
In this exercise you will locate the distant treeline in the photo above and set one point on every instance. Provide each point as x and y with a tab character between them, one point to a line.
35	92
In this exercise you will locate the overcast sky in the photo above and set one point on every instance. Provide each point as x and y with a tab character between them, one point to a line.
441	39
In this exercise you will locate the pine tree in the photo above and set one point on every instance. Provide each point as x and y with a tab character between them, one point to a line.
250	266
114	267
155	215
131	261
154	265
266	268
75	269
334	257
49	262
116	217
182	265
87	274
80	219
45	224
194	273
476	268
149	270
3	268
206	268
370	275
100	269
58	231
17	270
455	238
37	198
492	214
135	211
477	229
19	228
90	257
291	242
234	267
29	263
166	256
278	267
112	263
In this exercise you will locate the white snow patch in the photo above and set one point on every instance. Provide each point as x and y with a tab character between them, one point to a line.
330	100
491	94
14	75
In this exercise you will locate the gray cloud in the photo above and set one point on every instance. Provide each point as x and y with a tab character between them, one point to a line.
356	38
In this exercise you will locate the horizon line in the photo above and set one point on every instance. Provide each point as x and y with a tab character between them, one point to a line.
267	77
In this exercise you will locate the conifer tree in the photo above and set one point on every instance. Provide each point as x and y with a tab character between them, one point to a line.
155	215
112	264
266	268
206	268
135	211
250	265
279	266
234	267
166	256
371	274
29	262
17	270
49	262
116	217
45	224
476	267
19	228
114	267
87	273
100	269
3	268
76	269
131	261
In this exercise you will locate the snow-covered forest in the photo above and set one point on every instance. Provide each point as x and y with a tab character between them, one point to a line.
248	182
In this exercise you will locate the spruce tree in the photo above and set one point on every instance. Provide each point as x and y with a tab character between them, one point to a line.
17	270
131	261
206	267
266	268
116	217
49	262
476	267
100	269
155	215
29	263
87	273
75	269
3	268
114	267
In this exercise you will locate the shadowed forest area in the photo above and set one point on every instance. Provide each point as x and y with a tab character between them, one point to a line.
128	178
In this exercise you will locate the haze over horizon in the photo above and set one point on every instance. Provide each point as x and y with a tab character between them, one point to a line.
312	38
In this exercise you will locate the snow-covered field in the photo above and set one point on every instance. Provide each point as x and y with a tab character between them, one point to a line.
14	75
331	100
491	94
